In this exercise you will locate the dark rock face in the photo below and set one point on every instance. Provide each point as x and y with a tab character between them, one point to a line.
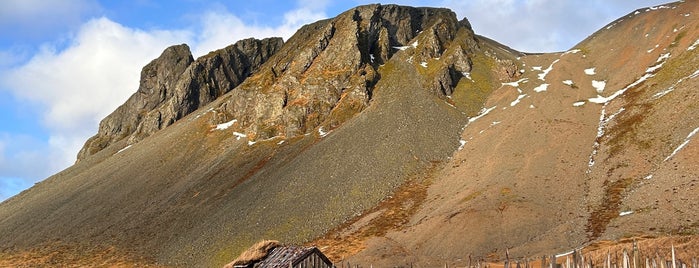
174	85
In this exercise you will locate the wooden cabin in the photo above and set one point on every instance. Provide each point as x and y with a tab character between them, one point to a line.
291	257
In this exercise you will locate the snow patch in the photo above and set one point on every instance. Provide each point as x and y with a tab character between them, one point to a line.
482	113
590	71
467	75
462	144
371	56
531	106
239	135
124	149
694	45
625	213
599	85
578	104
536	68
568	82
519	98
423	64
226	125
686	141
322	133
516	83
251	143
650	176
651	50
541	88
663	57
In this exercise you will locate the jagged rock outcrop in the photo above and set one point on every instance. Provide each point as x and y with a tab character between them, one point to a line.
326	73
174	85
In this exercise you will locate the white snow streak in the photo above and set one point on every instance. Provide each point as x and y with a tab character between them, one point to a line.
516	83
603	122
542	76
519	98
571	51
578	104
483	112
536	68
602	100
686	141
590	71
226	125
651	50
672	88
568	82
654	67
625	213
423	64
694	45
124	149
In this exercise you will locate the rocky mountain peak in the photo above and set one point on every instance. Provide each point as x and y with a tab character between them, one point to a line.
326	72
174	85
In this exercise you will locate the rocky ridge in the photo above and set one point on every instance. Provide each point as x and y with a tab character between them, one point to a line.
174	85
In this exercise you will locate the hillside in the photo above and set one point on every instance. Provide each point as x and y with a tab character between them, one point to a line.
387	135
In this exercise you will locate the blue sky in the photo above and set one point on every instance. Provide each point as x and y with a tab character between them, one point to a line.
66	64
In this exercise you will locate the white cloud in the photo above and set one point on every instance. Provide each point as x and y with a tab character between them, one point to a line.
81	84
79	81
221	28
542	25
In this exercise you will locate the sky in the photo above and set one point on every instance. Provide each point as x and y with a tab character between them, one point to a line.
66	64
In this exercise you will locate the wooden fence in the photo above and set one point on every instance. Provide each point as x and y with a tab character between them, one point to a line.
625	258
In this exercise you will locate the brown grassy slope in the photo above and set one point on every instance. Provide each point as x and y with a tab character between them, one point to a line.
191	195
523	182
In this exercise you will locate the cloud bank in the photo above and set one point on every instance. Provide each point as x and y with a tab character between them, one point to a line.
76	83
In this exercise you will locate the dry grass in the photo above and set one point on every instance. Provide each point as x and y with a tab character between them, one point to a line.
393	214
59	254
255	253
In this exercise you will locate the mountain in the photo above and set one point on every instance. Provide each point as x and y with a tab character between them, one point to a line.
388	135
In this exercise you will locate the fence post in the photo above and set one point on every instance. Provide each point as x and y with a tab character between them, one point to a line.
543	261
507	258
673	256
553	261
625	259
609	260
636	264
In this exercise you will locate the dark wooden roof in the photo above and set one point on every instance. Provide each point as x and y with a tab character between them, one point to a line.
280	257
